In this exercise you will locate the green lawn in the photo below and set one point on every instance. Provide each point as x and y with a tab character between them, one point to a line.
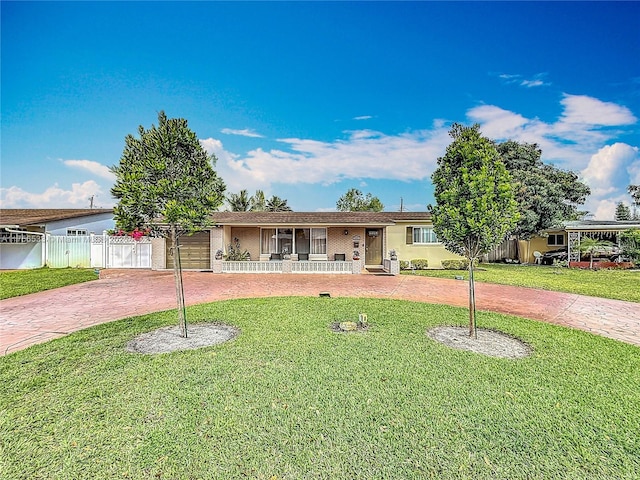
23	282
615	284
290	399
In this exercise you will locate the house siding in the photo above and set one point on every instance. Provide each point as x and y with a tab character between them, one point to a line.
94	224
435	253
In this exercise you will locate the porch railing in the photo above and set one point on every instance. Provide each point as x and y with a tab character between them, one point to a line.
252	267
286	267
321	267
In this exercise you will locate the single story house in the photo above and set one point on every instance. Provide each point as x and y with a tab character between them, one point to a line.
568	237
361	239
23	232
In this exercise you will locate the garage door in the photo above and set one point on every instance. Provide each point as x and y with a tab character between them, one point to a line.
195	252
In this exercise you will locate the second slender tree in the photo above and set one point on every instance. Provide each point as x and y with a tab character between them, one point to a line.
475	206
165	181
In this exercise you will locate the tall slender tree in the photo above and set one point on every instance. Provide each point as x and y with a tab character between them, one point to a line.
622	212
165	181
475	206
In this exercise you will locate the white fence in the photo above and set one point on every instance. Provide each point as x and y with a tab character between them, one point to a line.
98	251
63	251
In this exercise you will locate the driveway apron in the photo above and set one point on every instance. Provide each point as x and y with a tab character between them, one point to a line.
43	316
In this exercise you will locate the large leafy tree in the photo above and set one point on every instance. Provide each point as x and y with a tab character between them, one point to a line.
355	201
165	181
546	195
475	206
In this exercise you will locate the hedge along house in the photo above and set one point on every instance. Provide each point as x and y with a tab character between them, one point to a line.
24	232
316	242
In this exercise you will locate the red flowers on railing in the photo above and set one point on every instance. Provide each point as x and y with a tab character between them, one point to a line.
136	234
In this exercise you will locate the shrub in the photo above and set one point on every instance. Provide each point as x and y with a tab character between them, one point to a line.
235	254
404	265
457	264
420	263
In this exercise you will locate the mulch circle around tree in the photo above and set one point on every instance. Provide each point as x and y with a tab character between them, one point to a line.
170	339
489	342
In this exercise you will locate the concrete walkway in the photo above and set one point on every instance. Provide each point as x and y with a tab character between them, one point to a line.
39	317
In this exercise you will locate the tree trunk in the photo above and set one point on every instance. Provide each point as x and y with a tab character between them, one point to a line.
472	302
177	276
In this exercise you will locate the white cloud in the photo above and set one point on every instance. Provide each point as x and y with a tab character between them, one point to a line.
584	110
609	168
535	81
608	173
532	83
575	141
363	117
363	154
55	197
94	167
245	132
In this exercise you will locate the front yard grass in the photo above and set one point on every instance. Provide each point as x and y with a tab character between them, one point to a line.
614	284
23	282
290	399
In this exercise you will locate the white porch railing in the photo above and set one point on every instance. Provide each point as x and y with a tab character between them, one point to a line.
279	266
321	267
252	267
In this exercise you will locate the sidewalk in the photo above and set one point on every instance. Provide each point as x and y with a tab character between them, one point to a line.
39	317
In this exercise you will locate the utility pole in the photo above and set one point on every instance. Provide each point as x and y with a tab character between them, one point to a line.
401	204
91	201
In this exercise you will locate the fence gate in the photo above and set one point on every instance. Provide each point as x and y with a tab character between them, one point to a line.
68	251
125	252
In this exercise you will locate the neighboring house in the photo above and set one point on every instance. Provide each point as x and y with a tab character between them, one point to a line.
366	237
568	237
23	232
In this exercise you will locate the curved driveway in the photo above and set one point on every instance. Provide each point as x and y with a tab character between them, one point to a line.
39	317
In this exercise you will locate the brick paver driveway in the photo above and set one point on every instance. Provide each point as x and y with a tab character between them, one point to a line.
39	317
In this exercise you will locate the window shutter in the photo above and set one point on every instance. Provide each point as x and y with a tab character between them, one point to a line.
409	235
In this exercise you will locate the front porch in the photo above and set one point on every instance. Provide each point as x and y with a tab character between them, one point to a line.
349	267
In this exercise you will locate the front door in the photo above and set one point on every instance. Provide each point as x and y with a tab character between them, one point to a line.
373	246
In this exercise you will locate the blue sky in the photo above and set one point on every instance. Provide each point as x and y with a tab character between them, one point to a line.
307	100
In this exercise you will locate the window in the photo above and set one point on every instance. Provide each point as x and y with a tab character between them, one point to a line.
319	240
421	235
555	240
72	232
289	240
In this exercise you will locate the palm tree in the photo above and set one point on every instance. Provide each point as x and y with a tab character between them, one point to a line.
257	202
277	204
590	246
239	202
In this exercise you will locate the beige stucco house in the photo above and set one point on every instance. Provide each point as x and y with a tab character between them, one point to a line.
339	242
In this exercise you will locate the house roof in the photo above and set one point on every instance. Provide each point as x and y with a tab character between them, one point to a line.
599	225
39	216
318	218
